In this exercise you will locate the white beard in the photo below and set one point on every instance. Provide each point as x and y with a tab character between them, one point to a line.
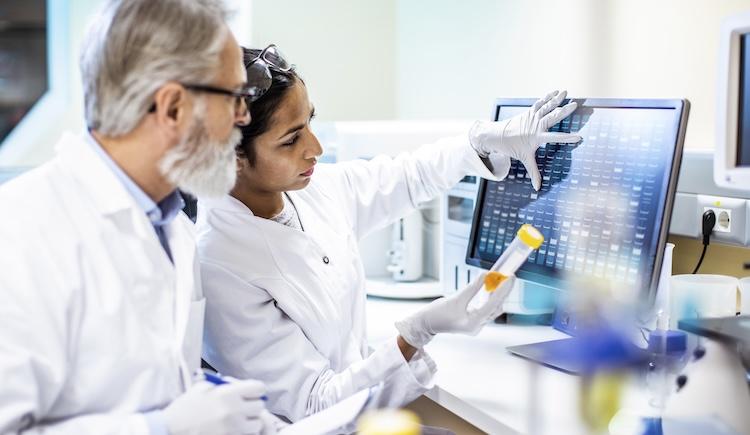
200	166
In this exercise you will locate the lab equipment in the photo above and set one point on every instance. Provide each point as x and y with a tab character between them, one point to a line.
526	241
699	296
668	356
457	213
660	312
603	207
714	384
406	250
732	159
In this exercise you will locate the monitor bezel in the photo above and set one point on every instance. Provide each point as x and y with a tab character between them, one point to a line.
727	172
682	106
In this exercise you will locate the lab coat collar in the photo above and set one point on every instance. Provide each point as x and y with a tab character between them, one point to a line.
228	203
159	214
106	192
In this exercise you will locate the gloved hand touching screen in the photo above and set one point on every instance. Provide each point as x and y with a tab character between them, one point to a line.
520	136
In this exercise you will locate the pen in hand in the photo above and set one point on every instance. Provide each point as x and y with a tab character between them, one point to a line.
216	379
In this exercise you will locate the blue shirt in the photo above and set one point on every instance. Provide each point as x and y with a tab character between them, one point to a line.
159	214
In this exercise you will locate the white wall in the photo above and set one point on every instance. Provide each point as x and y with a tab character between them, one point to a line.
445	59
344	50
455	56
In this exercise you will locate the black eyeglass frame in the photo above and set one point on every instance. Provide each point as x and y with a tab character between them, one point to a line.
248	93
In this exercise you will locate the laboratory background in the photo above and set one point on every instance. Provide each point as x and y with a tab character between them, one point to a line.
387	76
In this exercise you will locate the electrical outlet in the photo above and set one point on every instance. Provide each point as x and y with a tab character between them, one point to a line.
723	219
731	214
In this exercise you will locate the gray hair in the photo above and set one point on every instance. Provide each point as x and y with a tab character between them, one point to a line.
136	46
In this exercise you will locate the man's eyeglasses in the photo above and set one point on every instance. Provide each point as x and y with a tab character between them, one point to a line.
258	77
247	93
259	73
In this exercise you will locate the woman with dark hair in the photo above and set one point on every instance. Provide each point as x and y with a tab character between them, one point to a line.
280	265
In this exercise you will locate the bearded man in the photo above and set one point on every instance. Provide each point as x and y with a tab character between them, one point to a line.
101	319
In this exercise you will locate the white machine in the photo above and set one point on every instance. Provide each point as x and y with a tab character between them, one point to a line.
406	251
732	158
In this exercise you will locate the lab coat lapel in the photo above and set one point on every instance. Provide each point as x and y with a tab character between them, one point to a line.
187	287
183	254
107	194
312	306
104	190
302	272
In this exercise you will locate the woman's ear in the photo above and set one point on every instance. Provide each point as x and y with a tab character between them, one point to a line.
242	163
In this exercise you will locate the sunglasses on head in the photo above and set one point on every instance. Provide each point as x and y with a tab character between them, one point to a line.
259	77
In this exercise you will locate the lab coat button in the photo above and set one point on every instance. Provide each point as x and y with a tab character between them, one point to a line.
326	260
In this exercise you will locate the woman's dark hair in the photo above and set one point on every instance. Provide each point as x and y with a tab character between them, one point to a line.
262	109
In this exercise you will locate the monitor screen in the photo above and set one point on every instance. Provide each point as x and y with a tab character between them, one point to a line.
743	109
605	203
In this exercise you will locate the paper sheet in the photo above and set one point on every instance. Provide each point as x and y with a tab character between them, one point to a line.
330	419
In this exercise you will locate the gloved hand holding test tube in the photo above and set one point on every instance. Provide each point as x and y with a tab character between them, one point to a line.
469	309
527	240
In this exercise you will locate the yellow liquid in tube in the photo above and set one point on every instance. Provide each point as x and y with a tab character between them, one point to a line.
527	240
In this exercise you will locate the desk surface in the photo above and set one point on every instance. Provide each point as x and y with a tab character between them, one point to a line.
478	380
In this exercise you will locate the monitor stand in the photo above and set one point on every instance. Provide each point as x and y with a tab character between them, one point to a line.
549	353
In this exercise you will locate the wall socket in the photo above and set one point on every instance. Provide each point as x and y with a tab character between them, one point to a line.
723	219
731	216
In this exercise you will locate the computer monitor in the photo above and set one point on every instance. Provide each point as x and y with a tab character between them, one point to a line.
732	156
605	204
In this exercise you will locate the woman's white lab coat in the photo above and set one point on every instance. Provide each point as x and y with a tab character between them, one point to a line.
288	307
93	315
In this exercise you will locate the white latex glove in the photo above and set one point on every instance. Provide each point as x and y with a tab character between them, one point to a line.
520	136
228	409
450	314
271	423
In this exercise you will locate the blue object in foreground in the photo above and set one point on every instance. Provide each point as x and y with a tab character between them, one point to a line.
216	379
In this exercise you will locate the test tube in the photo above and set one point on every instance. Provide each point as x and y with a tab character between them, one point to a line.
526	241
